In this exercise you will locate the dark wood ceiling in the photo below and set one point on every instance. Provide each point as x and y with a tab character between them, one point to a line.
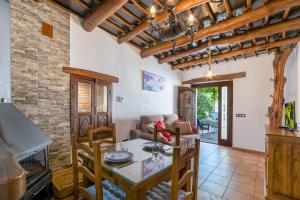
210	15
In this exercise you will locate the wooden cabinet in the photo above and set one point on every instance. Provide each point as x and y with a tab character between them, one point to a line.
282	164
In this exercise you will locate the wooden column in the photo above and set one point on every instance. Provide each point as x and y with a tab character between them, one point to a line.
276	109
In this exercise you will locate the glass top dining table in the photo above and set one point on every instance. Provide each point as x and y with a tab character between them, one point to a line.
142	173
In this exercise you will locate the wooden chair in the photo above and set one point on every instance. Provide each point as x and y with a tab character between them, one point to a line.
94	131
176	133
101	189
189	178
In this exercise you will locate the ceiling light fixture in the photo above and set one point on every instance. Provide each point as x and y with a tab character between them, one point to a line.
173	27
209	73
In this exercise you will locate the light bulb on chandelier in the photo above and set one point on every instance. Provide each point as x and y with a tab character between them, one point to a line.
152	11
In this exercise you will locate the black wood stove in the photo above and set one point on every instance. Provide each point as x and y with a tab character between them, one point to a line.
29	145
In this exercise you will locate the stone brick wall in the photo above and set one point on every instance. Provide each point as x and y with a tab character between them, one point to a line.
39	87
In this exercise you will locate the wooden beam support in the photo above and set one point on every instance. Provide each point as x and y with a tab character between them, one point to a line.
106	9
225	26
179	8
222	77
289	25
275	110
238	52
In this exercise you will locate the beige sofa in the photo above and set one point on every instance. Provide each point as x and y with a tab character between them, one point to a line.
142	131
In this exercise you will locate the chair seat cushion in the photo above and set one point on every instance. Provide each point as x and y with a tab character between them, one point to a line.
163	192
110	191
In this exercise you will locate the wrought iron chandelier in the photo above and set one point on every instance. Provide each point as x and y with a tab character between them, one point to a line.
171	29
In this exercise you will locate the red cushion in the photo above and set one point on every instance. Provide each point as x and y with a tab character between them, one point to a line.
166	135
161	125
194	129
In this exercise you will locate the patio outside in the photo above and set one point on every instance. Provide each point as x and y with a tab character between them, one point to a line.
207	114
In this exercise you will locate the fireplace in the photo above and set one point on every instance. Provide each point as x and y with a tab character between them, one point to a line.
38	177
29	147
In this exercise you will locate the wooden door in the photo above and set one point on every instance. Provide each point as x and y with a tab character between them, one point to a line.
187	104
82	106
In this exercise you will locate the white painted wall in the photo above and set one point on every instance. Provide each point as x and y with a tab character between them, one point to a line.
292	86
250	97
5	51
99	51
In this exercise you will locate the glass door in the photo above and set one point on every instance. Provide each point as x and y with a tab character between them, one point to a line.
225	114
103	104
214	112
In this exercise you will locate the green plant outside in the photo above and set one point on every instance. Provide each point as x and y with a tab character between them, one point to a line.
206	98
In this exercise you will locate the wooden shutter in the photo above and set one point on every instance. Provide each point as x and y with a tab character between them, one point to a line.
187	104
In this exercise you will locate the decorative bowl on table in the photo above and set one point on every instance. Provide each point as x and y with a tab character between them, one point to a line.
118	156
150	145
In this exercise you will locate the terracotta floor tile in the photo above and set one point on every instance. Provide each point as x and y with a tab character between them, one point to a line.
235	195
245	188
203	174
203	195
244	179
213	188
221	180
224	173
205	167
211	163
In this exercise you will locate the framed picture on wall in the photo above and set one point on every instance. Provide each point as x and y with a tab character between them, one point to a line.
153	82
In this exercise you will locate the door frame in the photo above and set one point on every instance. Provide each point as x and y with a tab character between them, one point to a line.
229	84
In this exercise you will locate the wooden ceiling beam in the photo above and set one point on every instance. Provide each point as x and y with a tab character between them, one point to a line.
159	3
129	13
82	4
286	14
225	26
289	25
238	52
249	4
227	7
210	13
123	21
222	77
150	37
115	26
141	7
179	8
106	9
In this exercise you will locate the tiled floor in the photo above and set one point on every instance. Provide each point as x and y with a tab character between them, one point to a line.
229	174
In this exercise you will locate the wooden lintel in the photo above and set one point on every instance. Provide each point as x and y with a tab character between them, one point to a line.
224	26
90	74
106	9
223	77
